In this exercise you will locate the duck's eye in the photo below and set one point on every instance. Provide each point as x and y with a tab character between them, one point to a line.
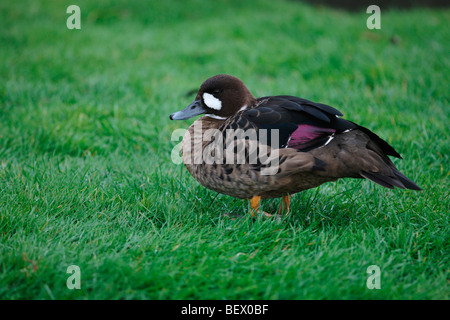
217	91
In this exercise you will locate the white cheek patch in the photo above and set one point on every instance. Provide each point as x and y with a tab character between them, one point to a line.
212	102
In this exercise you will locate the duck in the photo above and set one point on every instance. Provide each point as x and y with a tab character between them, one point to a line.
276	146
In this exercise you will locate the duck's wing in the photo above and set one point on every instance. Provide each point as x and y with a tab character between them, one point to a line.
302	127
299	123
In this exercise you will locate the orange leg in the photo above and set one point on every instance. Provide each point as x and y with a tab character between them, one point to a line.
286	202
254	205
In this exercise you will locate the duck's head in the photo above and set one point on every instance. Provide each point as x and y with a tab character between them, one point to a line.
219	97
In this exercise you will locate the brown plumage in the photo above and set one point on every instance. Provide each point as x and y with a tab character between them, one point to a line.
306	143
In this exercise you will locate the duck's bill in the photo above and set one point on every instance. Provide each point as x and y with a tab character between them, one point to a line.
192	110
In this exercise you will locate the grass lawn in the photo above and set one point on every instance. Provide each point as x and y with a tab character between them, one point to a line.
86	176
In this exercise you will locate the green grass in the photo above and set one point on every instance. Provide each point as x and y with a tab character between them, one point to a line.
86	176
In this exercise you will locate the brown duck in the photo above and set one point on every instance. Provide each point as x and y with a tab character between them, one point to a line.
275	146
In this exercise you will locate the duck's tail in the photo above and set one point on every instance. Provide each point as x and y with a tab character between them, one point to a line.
360	153
397	180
